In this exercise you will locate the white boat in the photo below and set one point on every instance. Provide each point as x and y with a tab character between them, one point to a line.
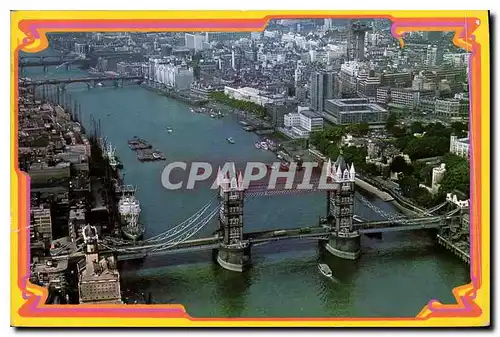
264	146
212	115
257	145
325	270
99	84
231	140
169	129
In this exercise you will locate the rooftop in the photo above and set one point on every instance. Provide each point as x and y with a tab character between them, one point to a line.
310	114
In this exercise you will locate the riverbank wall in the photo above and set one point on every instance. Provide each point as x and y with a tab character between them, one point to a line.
464	256
373	190
176	96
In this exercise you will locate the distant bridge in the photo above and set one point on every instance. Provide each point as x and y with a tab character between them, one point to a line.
88	80
91	59
54	62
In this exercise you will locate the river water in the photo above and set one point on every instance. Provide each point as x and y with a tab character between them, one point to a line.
395	276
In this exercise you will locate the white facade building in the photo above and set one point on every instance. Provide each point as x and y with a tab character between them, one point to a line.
460	146
291	120
194	41
253	95
303	122
177	77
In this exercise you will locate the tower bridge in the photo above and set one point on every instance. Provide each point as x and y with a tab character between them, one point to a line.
339	232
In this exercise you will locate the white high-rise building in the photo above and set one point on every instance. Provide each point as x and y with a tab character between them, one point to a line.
194	41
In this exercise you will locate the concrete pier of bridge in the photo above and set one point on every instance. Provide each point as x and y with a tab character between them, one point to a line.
346	246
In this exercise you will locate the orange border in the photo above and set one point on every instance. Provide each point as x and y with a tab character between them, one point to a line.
471	33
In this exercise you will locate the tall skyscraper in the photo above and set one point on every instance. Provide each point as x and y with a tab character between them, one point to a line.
321	89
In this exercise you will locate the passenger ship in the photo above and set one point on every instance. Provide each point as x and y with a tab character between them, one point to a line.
129	209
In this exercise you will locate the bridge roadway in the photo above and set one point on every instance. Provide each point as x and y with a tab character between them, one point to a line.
78	80
47	63
42	61
316	232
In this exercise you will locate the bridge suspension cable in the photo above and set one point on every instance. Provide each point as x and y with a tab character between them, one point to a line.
182	237
381	212
437	207
168	233
180	227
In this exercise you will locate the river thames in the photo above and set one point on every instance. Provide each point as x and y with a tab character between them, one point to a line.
395	276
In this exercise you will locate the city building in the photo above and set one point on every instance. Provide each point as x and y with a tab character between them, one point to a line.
81	48
353	110
177	77
166	50
396	80
407	97
321	88
303	122
460	146
367	84
434	55
437	176
228	36
51	274
42	223
99	279
253	95
277	112
291	120
203	91
348	77
125	68
194	41
452	109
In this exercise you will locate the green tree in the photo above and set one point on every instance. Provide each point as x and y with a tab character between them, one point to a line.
456	178
391	122
408	185
360	129
402	142
416	127
423	197
398	132
427	146
459	129
437	129
356	155
399	164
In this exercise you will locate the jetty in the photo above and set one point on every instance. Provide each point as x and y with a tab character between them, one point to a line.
139	144
150	155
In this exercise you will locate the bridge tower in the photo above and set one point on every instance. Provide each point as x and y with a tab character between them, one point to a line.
234	252
344	241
